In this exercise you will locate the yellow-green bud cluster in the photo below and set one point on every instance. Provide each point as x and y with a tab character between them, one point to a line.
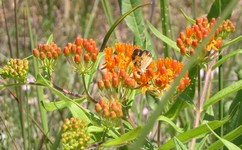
74	135
15	69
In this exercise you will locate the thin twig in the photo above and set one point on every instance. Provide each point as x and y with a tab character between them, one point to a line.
67	92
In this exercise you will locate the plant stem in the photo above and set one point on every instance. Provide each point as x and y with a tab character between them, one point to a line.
40	93
165	20
85	88
104	134
158	133
201	98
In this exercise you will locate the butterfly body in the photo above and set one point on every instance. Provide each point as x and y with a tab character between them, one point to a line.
141	59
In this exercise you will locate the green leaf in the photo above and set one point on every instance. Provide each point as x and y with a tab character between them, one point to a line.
134	20
167	120
223	93
230	136
94	129
226	57
217	8
200	130
175	109
228	144
50	39
165	39
192	21
233	41
76	109
127	137
51	106
105	40
179	144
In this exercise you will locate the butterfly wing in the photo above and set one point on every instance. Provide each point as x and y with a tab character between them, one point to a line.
141	59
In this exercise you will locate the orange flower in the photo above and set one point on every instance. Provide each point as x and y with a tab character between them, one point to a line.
82	54
122	75
119	60
188	42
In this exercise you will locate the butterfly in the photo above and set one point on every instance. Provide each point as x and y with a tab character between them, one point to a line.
141	59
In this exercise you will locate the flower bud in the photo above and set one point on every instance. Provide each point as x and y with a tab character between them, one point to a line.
77	59
98	107
36	53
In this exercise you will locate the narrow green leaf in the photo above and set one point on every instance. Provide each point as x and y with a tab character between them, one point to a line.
200	130
230	136
76	109
192	21
226	57
167	120
231	42
179	145
105	40
228	144
223	93
165	39
50	39
51	106
127	137
94	129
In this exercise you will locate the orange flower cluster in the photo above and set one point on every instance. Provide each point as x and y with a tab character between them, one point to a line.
109	110
83	53
121	72
189	41
49	51
159	79
120	59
